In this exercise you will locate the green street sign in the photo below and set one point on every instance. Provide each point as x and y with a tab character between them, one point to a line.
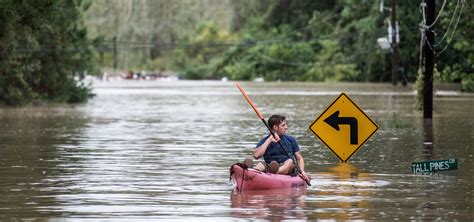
434	166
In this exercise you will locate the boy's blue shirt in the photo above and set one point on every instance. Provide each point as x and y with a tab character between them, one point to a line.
275	153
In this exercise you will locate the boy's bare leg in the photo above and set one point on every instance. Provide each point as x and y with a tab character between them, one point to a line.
286	167
260	167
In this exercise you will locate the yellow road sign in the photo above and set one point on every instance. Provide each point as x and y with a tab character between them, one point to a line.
343	127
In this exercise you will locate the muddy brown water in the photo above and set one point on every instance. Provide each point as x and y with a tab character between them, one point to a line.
162	150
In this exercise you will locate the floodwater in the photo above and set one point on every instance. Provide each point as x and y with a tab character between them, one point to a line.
162	150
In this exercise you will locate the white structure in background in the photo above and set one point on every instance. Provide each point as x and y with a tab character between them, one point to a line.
105	76
259	79
382	7
384	43
390	32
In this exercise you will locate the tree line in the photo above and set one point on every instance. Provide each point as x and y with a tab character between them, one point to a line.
284	40
44	44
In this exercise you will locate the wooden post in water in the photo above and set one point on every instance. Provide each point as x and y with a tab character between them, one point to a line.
394	43
115	54
428	52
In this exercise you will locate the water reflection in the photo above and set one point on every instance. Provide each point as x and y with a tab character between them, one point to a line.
427	209
277	204
343	193
428	143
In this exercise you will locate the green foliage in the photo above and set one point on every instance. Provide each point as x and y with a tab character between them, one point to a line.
198	60
456	62
282	50
397	122
419	86
275	61
295	40
41	45
330	65
419	83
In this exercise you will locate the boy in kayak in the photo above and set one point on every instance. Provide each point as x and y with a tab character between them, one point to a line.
275	159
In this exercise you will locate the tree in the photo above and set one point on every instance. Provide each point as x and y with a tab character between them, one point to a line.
295	40
41	46
454	46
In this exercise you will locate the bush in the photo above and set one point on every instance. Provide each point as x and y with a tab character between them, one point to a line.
41	45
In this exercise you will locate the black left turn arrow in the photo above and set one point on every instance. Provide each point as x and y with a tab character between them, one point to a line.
334	120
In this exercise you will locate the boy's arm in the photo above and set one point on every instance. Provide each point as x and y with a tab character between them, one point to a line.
260	150
300	160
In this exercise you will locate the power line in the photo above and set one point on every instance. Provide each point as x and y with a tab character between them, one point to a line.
450	22
424	27
110	44
311	64
439	14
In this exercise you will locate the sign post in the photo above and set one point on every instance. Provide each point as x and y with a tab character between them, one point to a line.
343	127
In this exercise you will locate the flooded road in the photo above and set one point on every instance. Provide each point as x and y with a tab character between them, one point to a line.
162	150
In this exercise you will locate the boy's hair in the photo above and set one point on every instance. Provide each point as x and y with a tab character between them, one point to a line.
275	120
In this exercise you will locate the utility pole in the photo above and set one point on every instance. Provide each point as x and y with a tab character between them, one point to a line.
428	60
394	43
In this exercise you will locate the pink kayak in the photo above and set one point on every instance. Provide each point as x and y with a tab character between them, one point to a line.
250	179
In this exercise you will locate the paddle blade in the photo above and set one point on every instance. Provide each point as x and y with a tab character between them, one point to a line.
250	102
